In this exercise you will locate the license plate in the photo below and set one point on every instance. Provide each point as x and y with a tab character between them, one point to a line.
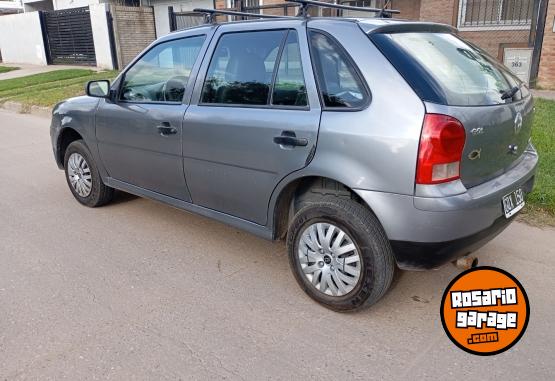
513	202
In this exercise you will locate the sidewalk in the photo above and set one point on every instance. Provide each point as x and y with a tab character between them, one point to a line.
26	69
545	94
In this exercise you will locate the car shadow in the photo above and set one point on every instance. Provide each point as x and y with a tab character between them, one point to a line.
121	197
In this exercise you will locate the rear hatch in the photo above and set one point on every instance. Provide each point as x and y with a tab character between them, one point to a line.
456	78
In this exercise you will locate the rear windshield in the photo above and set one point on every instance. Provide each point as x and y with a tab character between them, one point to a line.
445	69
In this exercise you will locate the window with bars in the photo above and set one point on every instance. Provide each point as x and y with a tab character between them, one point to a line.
248	6
483	13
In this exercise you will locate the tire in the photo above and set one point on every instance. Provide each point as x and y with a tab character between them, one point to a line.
98	194
361	228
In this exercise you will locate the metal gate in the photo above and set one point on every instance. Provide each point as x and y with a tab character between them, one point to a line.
69	38
183	20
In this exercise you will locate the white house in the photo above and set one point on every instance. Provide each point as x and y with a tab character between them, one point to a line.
112	39
160	7
49	5
10	6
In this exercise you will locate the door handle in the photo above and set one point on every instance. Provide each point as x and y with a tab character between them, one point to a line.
166	129
288	138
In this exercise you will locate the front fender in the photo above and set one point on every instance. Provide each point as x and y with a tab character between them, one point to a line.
77	114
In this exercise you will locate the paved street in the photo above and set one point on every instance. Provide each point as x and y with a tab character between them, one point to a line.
140	290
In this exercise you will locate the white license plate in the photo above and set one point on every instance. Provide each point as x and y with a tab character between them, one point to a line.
513	202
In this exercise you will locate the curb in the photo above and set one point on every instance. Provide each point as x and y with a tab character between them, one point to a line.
24	109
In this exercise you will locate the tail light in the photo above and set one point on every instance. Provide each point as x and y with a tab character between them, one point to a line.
440	150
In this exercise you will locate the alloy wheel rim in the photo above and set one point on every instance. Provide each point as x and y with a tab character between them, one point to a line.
79	174
329	259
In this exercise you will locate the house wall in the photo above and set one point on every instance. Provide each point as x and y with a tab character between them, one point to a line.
493	42
45	5
546	74
8	7
134	31
410	9
101	36
66	4
441	11
28	47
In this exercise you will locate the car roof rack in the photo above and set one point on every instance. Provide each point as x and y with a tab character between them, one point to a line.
305	4
211	14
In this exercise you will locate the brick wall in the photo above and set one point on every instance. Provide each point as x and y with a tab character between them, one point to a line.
493	41
442	11
133	30
546	74
410	9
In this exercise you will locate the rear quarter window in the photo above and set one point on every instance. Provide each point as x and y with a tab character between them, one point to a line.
444	69
339	83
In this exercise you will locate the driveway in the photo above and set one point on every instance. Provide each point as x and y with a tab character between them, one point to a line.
140	290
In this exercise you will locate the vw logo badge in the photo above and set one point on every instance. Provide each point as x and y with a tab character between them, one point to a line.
518	122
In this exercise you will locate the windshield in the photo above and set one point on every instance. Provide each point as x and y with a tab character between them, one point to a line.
461	73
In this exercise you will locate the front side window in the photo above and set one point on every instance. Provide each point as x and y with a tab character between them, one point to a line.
339	83
242	68
162	74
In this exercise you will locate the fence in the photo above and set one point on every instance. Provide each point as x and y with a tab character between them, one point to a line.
183	20
68	36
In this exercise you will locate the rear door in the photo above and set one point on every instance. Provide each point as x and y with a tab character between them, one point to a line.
253	118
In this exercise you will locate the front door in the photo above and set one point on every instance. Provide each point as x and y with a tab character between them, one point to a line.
139	135
253	118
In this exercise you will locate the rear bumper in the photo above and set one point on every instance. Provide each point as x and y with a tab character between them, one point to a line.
426	232
429	255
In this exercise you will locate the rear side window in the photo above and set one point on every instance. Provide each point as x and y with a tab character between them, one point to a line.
289	87
242	68
445	69
339	83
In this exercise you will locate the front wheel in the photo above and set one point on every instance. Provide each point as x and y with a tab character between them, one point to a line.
340	254
83	177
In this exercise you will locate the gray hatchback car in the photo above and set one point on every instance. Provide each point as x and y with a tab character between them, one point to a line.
368	144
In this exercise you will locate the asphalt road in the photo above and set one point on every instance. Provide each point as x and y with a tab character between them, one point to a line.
139	290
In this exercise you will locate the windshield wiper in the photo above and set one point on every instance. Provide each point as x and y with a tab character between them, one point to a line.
508	94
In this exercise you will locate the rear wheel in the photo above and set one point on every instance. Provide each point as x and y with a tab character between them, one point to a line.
83	177
339	253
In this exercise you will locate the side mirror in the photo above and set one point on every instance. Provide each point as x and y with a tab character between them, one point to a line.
98	89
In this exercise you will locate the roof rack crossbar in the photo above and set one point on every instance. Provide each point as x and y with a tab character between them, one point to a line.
211	13
305	4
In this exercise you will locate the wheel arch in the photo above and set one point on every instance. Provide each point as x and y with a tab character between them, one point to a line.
282	204
67	136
